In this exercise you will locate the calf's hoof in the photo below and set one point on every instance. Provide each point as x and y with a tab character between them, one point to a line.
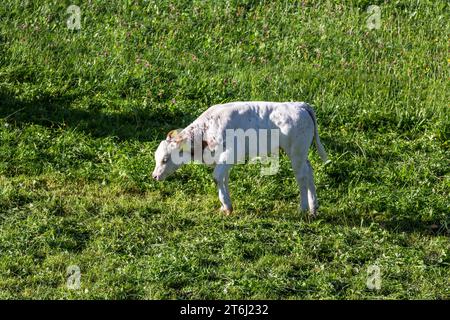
226	211
308	214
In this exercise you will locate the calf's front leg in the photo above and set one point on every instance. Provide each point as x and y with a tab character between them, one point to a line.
221	172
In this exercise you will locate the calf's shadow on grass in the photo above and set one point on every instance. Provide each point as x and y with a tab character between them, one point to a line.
58	112
393	219
392	224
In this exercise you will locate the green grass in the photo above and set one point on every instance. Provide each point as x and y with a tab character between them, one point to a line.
81	113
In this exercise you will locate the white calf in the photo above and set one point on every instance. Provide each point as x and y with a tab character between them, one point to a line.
296	125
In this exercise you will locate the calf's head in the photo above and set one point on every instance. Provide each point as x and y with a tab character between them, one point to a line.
168	156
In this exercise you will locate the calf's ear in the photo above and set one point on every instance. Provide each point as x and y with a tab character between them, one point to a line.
179	139
182	143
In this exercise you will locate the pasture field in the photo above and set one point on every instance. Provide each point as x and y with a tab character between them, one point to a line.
82	111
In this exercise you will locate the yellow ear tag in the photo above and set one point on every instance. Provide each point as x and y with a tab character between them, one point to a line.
172	134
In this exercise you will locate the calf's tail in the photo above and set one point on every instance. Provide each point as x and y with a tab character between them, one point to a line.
320	149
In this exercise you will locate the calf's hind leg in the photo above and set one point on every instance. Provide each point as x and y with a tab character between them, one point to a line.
298	162
312	196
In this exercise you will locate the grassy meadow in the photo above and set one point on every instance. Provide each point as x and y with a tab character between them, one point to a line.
82	111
